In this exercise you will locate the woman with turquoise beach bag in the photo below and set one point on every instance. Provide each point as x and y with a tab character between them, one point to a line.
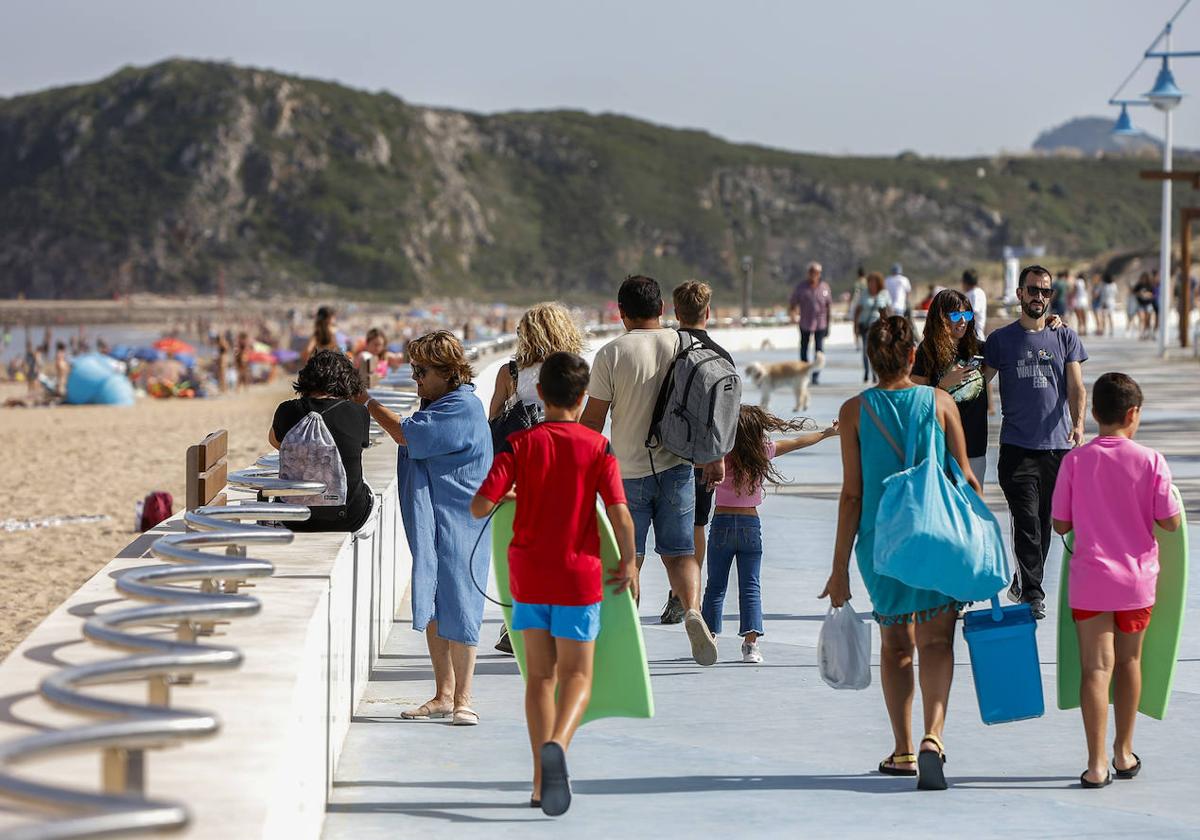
911	619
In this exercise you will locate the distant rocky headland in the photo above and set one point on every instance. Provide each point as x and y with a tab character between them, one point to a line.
186	176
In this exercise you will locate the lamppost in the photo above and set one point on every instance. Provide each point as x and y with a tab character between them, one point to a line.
1164	96
747	284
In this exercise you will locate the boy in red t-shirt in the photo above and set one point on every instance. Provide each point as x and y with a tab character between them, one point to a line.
555	573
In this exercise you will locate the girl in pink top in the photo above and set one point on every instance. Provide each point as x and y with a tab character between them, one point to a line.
1111	492
735	533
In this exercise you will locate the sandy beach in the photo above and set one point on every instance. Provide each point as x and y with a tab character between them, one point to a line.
99	460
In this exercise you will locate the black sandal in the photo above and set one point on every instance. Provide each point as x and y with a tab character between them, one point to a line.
1083	781
556	783
932	775
535	803
898	758
1128	772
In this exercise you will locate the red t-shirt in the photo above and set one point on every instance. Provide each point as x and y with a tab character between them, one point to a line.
558	467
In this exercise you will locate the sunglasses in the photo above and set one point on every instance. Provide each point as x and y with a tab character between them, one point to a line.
955	317
1038	291
419	371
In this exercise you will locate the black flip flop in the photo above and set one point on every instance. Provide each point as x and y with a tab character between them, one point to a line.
556	784
1128	772
1083	781
931	774
535	803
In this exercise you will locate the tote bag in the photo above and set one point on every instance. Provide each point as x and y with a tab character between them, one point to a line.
932	531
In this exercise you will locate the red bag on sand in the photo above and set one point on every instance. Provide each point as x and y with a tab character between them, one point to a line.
156	507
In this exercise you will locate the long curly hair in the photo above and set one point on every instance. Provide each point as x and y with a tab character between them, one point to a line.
328	372
444	352
544	330
938	349
748	462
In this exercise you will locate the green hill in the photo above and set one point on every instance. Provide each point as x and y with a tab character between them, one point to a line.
160	178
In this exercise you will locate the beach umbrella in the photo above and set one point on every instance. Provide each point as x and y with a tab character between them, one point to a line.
259	357
285	356
174	345
148	354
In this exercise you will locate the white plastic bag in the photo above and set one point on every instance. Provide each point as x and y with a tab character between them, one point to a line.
309	453
844	649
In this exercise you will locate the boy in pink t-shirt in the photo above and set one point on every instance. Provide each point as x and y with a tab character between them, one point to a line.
1111	492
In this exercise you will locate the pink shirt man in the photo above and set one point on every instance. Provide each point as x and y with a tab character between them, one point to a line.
1112	489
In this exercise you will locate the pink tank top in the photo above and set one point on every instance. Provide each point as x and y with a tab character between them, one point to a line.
727	496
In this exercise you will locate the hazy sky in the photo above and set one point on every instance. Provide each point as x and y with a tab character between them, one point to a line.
941	77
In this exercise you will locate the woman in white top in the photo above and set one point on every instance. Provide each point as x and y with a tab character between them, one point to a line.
545	329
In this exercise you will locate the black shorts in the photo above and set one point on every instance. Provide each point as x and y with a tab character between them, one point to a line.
704	500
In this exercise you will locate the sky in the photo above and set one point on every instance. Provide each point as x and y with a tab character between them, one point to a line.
939	77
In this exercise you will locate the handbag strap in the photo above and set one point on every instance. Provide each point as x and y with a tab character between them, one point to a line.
866	403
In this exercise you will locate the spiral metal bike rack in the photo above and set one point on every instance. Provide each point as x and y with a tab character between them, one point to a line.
125	730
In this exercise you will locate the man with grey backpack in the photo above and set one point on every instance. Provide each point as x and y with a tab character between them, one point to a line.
320	437
627	378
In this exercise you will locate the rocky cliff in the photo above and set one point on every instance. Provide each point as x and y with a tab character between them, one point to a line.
164	178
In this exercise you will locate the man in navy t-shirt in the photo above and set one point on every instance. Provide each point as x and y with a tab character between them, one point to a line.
1043	402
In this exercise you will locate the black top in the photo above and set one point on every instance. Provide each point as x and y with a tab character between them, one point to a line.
702	336
349	424
971	399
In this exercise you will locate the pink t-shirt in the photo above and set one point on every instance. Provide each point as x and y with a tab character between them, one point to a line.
727	494
1111	490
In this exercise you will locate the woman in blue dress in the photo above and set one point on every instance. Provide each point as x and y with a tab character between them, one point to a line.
909	619
445	453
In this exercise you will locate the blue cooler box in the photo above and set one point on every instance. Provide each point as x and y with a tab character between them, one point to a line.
1004	662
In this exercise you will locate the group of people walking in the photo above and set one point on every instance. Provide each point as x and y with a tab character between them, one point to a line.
451	471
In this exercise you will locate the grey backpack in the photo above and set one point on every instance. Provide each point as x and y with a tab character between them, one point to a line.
696	414
308	453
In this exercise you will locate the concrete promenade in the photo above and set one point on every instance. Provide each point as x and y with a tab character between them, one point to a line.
770	750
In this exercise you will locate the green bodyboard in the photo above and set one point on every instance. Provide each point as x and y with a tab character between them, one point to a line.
1160	649
621	674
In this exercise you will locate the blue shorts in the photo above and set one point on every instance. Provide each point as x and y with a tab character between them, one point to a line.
581	624
668	502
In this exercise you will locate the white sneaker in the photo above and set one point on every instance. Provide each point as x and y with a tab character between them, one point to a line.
704	646
750	653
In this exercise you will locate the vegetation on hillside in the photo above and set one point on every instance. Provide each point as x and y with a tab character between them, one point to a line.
159	178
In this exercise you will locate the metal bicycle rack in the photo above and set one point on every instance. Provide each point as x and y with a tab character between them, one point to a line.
127	729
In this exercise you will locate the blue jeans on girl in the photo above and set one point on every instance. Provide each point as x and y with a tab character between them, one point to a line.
733	537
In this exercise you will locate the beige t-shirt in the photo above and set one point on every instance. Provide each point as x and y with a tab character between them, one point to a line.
628	372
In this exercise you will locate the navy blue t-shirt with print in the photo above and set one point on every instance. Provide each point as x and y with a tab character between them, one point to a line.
1033	383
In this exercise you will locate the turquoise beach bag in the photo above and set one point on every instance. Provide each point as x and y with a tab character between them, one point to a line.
932	531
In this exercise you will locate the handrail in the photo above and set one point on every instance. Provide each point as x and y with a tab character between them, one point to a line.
128	729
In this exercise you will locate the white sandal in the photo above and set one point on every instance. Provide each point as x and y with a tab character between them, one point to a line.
424	712
464	716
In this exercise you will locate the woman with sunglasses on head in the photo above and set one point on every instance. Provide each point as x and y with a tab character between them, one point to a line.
950	357
445	453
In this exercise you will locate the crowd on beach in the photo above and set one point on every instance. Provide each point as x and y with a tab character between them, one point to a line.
540	440
209	355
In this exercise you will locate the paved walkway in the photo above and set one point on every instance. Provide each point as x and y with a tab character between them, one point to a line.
770	750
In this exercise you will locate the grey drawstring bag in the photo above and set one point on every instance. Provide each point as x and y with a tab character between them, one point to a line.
308	453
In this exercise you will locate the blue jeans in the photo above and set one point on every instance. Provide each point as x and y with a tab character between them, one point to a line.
734	537
668	502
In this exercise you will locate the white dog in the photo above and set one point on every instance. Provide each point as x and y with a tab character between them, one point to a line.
769	376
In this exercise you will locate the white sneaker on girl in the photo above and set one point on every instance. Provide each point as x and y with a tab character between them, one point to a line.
750	653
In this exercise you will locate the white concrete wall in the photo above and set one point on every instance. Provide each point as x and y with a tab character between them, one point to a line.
308	657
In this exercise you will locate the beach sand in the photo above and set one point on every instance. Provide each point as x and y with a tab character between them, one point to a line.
89	460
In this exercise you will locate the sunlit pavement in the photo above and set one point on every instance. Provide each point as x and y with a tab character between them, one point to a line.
769	750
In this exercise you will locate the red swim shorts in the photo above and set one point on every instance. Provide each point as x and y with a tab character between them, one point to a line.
1127	621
